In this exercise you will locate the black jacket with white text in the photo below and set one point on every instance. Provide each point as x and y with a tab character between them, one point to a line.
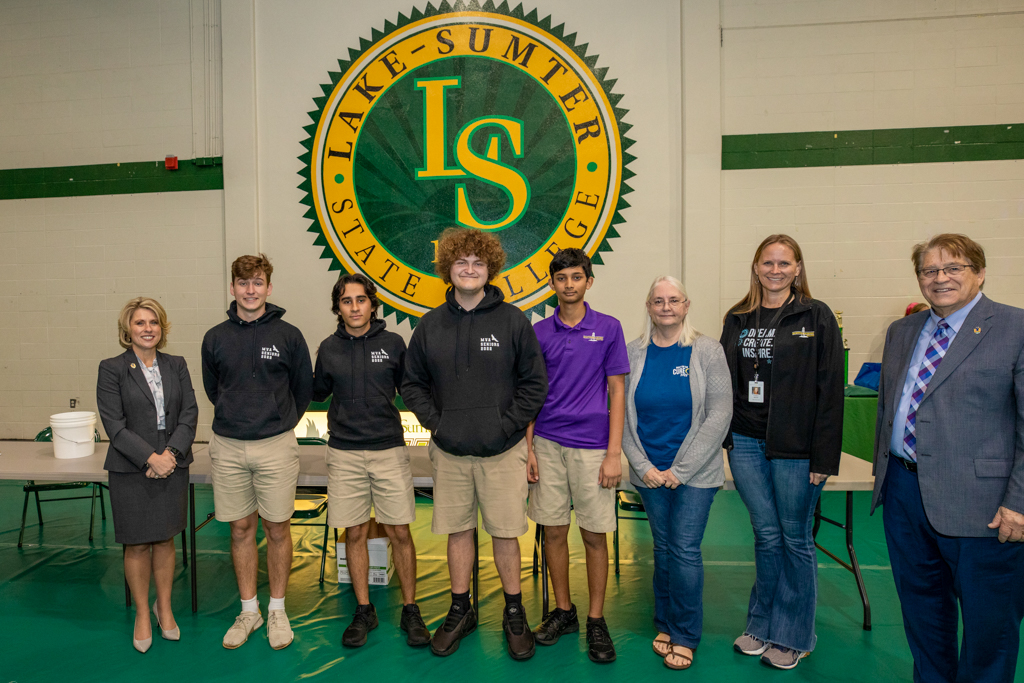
257	374
363	374
475	378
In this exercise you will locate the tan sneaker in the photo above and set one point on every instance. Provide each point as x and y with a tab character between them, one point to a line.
245	623
279	631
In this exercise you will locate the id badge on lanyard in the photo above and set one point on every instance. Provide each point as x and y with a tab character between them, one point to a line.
755	387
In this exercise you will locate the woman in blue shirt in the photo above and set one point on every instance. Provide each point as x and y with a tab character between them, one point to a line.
678	411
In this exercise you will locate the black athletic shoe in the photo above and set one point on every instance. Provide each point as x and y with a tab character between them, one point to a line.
601	649
517	632
416	631
363	621
460	622
557	624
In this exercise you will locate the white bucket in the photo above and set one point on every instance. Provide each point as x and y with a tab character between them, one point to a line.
73	434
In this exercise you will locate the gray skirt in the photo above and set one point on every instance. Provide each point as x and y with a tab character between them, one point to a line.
148	510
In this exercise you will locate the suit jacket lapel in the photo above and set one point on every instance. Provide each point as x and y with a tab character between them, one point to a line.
905	346
136	373
965	341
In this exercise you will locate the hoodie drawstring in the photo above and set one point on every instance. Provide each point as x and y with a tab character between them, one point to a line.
366	402
255	342
458	330
469	354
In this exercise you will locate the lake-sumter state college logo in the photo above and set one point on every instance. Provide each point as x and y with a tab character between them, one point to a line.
480	117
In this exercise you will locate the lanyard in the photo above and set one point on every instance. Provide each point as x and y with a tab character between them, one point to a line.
771	325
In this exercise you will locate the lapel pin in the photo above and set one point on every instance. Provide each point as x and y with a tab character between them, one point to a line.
977	330
133	366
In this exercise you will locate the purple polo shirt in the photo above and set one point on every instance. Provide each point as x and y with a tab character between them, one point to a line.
579	360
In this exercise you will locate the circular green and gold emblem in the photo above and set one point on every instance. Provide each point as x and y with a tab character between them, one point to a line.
465	116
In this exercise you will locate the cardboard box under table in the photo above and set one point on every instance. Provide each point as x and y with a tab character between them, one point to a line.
378	546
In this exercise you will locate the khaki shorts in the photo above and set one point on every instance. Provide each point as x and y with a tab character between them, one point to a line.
254	475
497	484
571	476
357	479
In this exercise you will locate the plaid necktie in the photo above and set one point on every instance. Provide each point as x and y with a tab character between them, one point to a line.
932	357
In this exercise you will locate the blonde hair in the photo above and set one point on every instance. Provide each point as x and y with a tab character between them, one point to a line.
800	288
687	335
124	321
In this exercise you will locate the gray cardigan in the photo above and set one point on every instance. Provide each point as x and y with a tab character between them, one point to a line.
699	461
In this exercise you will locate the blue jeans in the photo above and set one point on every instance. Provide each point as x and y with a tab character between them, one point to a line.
781	501
678	518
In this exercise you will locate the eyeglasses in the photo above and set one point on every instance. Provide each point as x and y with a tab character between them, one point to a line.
951	271
674	302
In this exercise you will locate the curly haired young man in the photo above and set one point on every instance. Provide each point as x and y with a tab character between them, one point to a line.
475	378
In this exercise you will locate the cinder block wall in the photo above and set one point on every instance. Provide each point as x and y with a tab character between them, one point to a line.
85	83
799	67
94	82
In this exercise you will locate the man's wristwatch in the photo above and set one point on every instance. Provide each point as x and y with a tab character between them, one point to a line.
174	451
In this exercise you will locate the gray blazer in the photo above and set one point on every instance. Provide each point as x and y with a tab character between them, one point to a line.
970	424
128	411
699	460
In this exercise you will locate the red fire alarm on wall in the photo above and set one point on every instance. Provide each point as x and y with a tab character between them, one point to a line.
171	162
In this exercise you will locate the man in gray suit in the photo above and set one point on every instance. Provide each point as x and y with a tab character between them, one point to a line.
949	468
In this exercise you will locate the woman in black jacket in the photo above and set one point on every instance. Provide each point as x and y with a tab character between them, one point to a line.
786	359
148	408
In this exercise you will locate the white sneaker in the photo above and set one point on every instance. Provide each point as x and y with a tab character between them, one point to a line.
245	623
782	657
750	645
279	631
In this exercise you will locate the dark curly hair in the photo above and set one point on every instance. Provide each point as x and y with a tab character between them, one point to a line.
455	243
356	279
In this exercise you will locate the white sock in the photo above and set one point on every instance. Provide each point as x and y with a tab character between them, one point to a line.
275	603
252	605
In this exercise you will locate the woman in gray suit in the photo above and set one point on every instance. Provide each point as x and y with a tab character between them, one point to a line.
148	408
678	410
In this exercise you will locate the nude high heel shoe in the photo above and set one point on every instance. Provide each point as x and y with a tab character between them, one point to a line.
141	645
173	634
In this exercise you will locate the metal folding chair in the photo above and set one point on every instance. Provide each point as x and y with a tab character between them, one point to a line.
625	501
31	487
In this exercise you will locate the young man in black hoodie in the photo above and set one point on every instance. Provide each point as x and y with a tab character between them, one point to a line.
257	374
475	378
361	365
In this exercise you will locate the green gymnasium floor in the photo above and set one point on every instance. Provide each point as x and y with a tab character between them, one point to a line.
62	614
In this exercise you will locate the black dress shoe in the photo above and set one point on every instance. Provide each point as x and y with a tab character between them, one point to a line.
557	624
363	621
517	632
599	641
460	622
416	631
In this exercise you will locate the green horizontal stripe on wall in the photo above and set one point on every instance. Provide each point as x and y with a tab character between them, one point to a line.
129	178
867	147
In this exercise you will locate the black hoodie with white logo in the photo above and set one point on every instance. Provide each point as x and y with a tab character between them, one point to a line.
475	378
363	374
257	374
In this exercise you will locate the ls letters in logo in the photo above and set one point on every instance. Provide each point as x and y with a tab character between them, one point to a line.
483	118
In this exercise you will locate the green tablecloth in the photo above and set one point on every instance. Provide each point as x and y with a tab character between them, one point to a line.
859	408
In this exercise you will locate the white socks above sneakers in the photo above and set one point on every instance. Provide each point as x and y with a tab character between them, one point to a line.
254	604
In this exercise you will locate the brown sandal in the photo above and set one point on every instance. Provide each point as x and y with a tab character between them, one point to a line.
662	646
681	652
